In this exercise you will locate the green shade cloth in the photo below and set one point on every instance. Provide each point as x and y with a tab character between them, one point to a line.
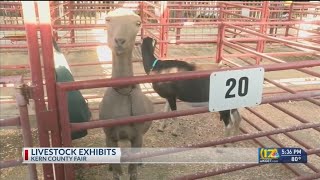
78	108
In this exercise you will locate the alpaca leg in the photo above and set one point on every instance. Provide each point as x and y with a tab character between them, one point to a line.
232	119
227	133
228	130
173	106
135	143
163	122
234	122
116	168
176	126
236	118
225	116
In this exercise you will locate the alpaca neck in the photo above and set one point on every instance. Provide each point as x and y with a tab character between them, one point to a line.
122	65
148	59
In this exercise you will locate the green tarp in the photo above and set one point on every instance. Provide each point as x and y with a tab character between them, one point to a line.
78	108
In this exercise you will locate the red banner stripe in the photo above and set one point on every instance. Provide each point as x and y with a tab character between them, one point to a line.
26	154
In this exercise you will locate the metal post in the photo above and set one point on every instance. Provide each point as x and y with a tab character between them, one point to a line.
179	15
220	43
71	21
263	29
163	29
65	130
56	13
274	15
48	63
289	19
25	125
141	4
166	31
29	17
221	32
299	25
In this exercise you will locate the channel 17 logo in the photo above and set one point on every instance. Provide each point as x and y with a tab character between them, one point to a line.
268	155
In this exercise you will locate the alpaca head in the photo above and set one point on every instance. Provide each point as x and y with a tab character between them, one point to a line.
147	50
123	26
149	43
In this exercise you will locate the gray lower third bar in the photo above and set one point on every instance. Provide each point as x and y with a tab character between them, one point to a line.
189	155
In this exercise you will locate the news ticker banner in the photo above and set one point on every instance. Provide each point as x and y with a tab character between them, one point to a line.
176	155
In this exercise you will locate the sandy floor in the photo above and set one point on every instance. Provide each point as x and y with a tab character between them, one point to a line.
193	129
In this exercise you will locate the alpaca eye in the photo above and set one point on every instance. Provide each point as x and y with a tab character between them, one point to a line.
138	23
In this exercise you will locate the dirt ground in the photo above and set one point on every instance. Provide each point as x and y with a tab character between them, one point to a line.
193	129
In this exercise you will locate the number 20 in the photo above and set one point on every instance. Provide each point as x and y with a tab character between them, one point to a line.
244	81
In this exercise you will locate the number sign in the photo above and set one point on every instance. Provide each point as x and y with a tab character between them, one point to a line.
235	88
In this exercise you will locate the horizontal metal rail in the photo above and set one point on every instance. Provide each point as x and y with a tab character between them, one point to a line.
88	26
309	177
232	139
10	121
114	82
10	163
276	39
155	116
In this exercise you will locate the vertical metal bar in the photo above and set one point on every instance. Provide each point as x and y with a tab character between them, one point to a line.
301	15
141	5
65	129
56	13
47	52
264	18
289	19
163	29
179	15
166	30
25	126
29	17
71	21
48	63
221	32
220	44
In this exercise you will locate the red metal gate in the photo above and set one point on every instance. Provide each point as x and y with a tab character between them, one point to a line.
21	121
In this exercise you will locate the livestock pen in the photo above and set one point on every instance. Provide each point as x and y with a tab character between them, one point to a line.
282	38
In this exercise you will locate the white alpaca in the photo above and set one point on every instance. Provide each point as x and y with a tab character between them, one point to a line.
123	26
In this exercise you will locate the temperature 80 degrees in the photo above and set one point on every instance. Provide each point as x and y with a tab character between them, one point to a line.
295	159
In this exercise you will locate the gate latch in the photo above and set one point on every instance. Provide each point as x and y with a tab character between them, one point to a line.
25	91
